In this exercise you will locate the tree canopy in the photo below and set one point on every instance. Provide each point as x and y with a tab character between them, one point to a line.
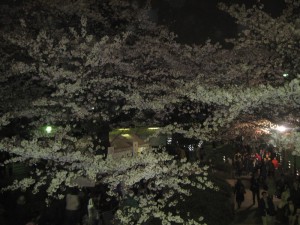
90	64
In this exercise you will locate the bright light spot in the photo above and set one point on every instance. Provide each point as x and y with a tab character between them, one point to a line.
191	148
285	75
48	129
126	135
123	129
169	140
281	128
153	128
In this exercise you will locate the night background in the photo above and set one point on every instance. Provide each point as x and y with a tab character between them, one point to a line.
149	112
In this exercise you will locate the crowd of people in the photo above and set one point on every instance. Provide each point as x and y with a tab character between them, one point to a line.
287	192
85	206
77	207
268	181
92	206
265	163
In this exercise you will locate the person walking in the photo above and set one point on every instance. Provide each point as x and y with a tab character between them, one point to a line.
266	209
275	164
239	191
263	171
21	211
254	187
290	212
72	207
270	186
93	210
284	211
295	198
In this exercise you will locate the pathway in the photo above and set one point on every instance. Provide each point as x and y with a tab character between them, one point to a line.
248	213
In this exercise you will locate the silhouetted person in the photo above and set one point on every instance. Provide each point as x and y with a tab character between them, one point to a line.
239	190
72	207
295	198
21	214
254	187
266	209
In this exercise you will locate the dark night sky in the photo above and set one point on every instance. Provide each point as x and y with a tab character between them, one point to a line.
196	20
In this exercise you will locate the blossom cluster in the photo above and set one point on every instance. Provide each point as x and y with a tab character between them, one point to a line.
82	75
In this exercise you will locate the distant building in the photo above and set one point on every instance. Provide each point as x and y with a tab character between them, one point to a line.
130	141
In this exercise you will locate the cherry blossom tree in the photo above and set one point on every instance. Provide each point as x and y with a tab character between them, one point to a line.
85	66
87	80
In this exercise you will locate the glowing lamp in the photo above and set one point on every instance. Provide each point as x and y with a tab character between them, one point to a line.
281	128
48	129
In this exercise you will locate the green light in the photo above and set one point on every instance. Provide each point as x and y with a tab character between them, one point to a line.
48	129
123	129
153	128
